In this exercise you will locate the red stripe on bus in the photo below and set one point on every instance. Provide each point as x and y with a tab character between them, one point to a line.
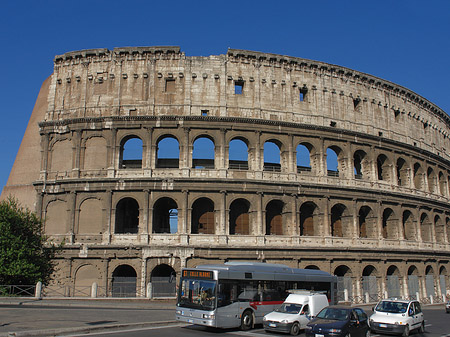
255	304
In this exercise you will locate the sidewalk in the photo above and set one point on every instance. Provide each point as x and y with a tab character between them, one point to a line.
62	316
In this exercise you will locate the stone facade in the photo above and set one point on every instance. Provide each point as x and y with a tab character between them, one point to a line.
378	216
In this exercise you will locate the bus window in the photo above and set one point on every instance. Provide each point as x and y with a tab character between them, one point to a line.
197	294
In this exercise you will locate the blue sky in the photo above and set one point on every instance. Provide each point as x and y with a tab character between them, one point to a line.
406	42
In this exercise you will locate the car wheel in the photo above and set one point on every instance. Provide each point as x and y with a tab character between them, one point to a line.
247	320
422	327
406	331
368	333
295	329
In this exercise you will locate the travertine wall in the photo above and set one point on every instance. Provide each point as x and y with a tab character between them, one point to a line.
385	211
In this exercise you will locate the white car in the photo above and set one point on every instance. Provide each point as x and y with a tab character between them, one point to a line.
295	313
397	316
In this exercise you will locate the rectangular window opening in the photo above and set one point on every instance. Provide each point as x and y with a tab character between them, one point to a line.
170	85
205	112
238	87
302	95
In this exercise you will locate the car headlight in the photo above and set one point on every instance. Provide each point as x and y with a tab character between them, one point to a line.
308	327
334	330
208	316
399	323
264	318
284	321
178	312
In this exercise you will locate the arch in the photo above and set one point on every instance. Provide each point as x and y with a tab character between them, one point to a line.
413	282
390	224
367	223
127	216
309	219
443	280
312	267
393	281
432	180
402	172
418	176
333	161
163	279
203	153
304	157
61	156
165	216
56	218
85	276
95	153
238	154
369	271
124	279
429	281
167	152
239	217
370	283
442	184
344	282
439	229
90	220
130	152
408	225
272	155
426	228
383	168
341	221
360	165
203	219
274	218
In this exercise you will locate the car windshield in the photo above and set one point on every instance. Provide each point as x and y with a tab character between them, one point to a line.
337	314
289	308
392	307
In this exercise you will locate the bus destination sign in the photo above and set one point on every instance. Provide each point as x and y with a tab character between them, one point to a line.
200	274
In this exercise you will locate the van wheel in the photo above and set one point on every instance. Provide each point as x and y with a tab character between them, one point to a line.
295	329
247	320
406	331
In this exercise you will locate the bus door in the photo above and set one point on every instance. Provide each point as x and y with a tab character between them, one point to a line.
227	313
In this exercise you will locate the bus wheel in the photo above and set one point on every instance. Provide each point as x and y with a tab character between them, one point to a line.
247	320
295	329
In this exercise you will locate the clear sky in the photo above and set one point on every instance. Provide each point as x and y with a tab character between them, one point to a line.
403	41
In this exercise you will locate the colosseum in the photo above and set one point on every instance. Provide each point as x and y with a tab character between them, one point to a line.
143	160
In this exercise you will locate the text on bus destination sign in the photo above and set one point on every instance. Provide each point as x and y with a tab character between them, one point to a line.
198	274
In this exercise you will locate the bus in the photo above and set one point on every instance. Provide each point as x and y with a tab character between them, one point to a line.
239	294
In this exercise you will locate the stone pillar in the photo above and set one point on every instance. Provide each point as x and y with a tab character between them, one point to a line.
143	291
220	154
223	224
72	211
149	160
355	216
146	216
260	230
186	151
291	156
295	224
186	223
109	217
417	224
321	158
259	159
379	212
326	216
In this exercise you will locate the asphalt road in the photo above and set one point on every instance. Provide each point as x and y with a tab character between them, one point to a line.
437	325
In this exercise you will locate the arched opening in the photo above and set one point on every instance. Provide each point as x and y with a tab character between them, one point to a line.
408	225
429	281
369	283
418	176
90	219
413	282
443	280
402	172
165	216
383	169
442	184
84	278
127	216
447	221
203	154
340	221
308	219
359	164
367	223
304	157
432	180
272	156
333	166
426	228
274	218
393	282
238	154
344	283
124	281
389	224
130	153
168	152
439	228
164	281
203	220
240	217
312	267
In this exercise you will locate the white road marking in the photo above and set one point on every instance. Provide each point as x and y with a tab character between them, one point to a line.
127	330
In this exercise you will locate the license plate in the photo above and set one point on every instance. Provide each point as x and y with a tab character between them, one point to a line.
317	335
272	325
383	326
190	320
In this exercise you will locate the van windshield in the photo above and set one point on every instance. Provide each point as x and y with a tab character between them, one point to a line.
289	308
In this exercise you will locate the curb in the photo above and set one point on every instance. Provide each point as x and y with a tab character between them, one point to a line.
66	331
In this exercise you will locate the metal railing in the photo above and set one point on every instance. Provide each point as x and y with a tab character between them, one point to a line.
17	290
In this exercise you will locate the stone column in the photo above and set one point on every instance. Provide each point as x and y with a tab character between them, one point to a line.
295	225
109	218
76	147
260	230
186	223
223	225
150	151
417	225
72	211
326	216
146	216
355	217
186	151
379	212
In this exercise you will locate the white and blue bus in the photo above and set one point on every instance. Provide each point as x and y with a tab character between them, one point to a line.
239	294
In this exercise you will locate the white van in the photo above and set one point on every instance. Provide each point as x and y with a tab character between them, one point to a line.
296	311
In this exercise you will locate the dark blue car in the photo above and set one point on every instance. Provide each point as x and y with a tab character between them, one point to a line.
339	321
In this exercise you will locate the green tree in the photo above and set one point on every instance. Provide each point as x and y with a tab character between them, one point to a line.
25	255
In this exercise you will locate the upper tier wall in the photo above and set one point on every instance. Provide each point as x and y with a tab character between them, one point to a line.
163	81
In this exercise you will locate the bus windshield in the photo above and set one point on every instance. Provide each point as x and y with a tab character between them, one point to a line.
197	294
